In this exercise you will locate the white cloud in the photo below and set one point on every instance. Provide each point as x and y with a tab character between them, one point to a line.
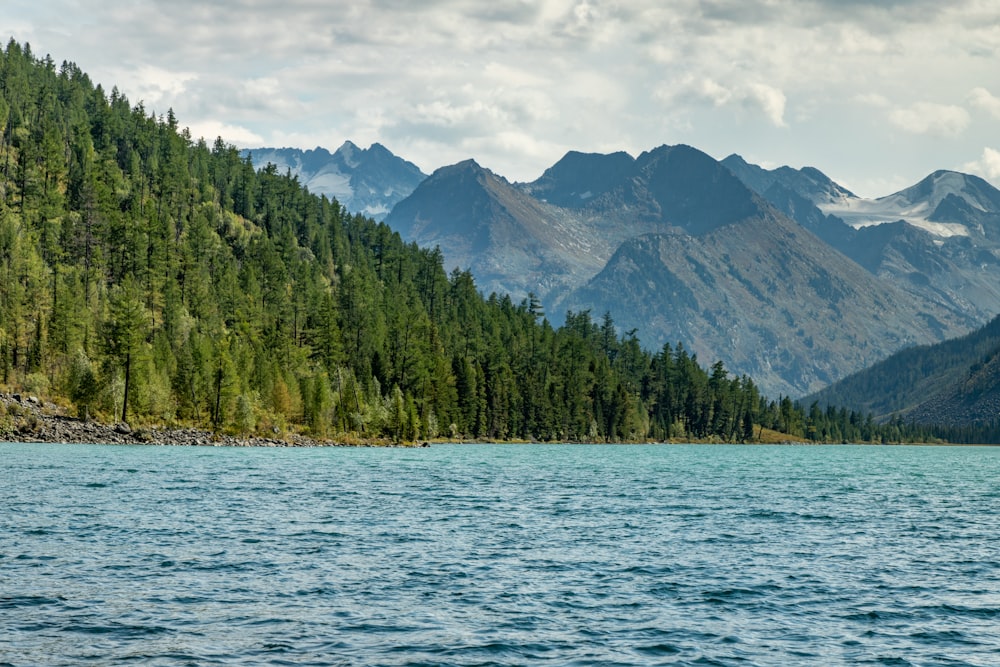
755	96
873	100
770	100
984	100
987	166
231	134
858	40
153	85
940	120
717	94
585	14
521	81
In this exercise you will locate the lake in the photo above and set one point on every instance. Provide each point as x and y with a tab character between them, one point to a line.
500	555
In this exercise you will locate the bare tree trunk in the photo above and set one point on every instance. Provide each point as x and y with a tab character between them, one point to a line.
128	373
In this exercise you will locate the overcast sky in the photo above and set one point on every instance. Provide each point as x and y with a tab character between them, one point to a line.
875	94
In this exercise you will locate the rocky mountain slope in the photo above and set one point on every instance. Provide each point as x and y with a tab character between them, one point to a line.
368	181
765	296
513	243
550	236
808	182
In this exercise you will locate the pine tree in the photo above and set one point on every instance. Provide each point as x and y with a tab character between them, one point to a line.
125	332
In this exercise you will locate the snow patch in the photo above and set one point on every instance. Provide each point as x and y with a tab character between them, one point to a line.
942	229
348	152
332	183
910	205
376	211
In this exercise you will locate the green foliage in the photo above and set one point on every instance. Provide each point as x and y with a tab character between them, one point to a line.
124	333
245	422
82	385
150	276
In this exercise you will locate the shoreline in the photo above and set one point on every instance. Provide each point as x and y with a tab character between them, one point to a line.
27	419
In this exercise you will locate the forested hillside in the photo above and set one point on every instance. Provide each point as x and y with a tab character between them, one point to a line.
150	277
954	385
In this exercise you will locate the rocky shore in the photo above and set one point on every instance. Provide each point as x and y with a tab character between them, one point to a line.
26	418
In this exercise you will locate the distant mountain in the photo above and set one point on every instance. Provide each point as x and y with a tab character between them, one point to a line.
808	182
945	204
953	383
513	243
675	187
763	295
518	239
938	240
369	181
578	178
798	193
674	245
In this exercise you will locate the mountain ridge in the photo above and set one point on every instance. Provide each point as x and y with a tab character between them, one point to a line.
369	180
484	213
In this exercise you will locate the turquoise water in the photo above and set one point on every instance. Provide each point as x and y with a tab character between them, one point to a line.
499	555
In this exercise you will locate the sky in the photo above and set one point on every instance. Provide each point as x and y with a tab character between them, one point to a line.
875	94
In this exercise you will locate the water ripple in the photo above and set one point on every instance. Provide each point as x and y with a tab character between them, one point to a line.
500	555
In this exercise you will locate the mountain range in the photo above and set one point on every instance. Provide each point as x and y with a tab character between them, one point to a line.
938	240
781	274
369	181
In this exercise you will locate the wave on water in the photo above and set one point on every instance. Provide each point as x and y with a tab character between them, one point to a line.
500	555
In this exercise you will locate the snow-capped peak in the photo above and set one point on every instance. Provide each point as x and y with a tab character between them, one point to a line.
348	153
915	205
